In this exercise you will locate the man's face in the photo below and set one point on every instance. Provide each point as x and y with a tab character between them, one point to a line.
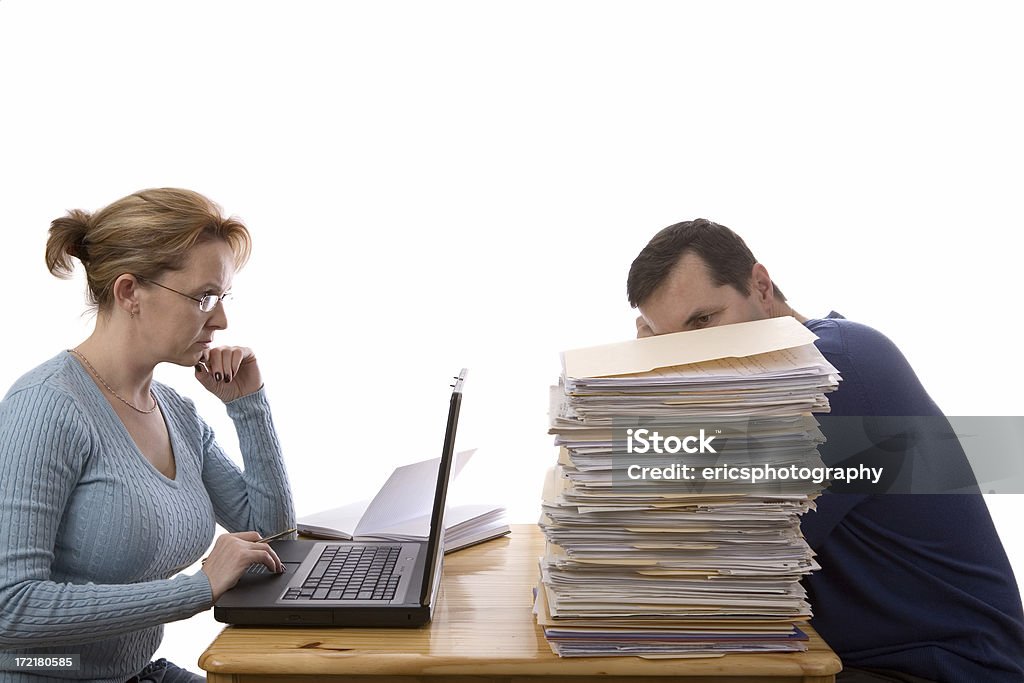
689	300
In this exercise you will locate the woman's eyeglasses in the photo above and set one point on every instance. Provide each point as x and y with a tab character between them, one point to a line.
207	303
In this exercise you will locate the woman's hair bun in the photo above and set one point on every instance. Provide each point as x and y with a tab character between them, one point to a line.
68	238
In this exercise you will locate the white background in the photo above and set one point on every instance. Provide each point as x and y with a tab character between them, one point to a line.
432	185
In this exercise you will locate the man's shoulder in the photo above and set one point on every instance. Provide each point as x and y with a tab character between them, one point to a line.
877	379
840	336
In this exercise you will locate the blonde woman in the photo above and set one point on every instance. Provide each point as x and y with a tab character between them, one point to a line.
111	482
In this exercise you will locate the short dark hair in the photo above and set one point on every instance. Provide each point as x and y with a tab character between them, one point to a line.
729	259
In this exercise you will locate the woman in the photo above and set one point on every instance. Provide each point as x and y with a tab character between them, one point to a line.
111	481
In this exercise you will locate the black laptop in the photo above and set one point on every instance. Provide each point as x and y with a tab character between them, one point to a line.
350	583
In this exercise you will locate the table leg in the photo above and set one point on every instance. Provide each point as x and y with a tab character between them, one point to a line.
219	678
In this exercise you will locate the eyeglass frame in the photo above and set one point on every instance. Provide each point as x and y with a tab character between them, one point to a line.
217	298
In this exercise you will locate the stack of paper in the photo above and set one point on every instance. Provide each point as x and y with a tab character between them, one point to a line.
678	553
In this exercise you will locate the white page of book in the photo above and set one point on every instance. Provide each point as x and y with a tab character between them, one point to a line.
340	522
407	496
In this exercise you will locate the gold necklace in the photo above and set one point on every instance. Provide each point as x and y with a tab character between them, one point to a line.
111	390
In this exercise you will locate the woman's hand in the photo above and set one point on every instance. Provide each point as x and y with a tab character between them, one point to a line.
232	555
230	372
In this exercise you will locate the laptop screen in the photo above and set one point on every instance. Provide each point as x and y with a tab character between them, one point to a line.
435	540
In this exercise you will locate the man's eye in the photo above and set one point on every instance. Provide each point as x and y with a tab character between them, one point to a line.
704	320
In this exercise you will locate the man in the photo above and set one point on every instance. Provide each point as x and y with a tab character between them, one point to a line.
912	587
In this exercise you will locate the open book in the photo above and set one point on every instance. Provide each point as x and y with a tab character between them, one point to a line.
401	512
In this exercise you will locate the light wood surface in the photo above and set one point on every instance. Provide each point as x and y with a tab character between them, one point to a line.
483	630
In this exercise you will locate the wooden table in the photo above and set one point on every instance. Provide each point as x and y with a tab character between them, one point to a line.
483	630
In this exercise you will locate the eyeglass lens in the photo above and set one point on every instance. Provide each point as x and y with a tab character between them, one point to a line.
209	302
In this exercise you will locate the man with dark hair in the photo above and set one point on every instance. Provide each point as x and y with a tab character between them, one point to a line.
912	587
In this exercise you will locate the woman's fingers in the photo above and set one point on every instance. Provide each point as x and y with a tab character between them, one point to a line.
232	555
215	364
266	556
236	355
224	362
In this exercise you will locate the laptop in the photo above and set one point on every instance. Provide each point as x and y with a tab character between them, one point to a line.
351	583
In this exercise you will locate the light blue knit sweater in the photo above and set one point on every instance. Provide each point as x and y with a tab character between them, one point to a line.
91	533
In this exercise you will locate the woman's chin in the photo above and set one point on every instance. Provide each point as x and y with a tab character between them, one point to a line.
188	359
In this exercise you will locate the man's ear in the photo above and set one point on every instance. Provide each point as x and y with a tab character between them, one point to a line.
761	285
126	294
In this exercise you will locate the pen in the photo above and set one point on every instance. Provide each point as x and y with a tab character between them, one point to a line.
271	537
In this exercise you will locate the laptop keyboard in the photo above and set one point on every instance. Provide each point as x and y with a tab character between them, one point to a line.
351	573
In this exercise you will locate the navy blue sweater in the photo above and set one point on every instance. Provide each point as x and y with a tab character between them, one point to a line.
914	583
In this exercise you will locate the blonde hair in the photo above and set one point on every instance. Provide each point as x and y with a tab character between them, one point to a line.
144	234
